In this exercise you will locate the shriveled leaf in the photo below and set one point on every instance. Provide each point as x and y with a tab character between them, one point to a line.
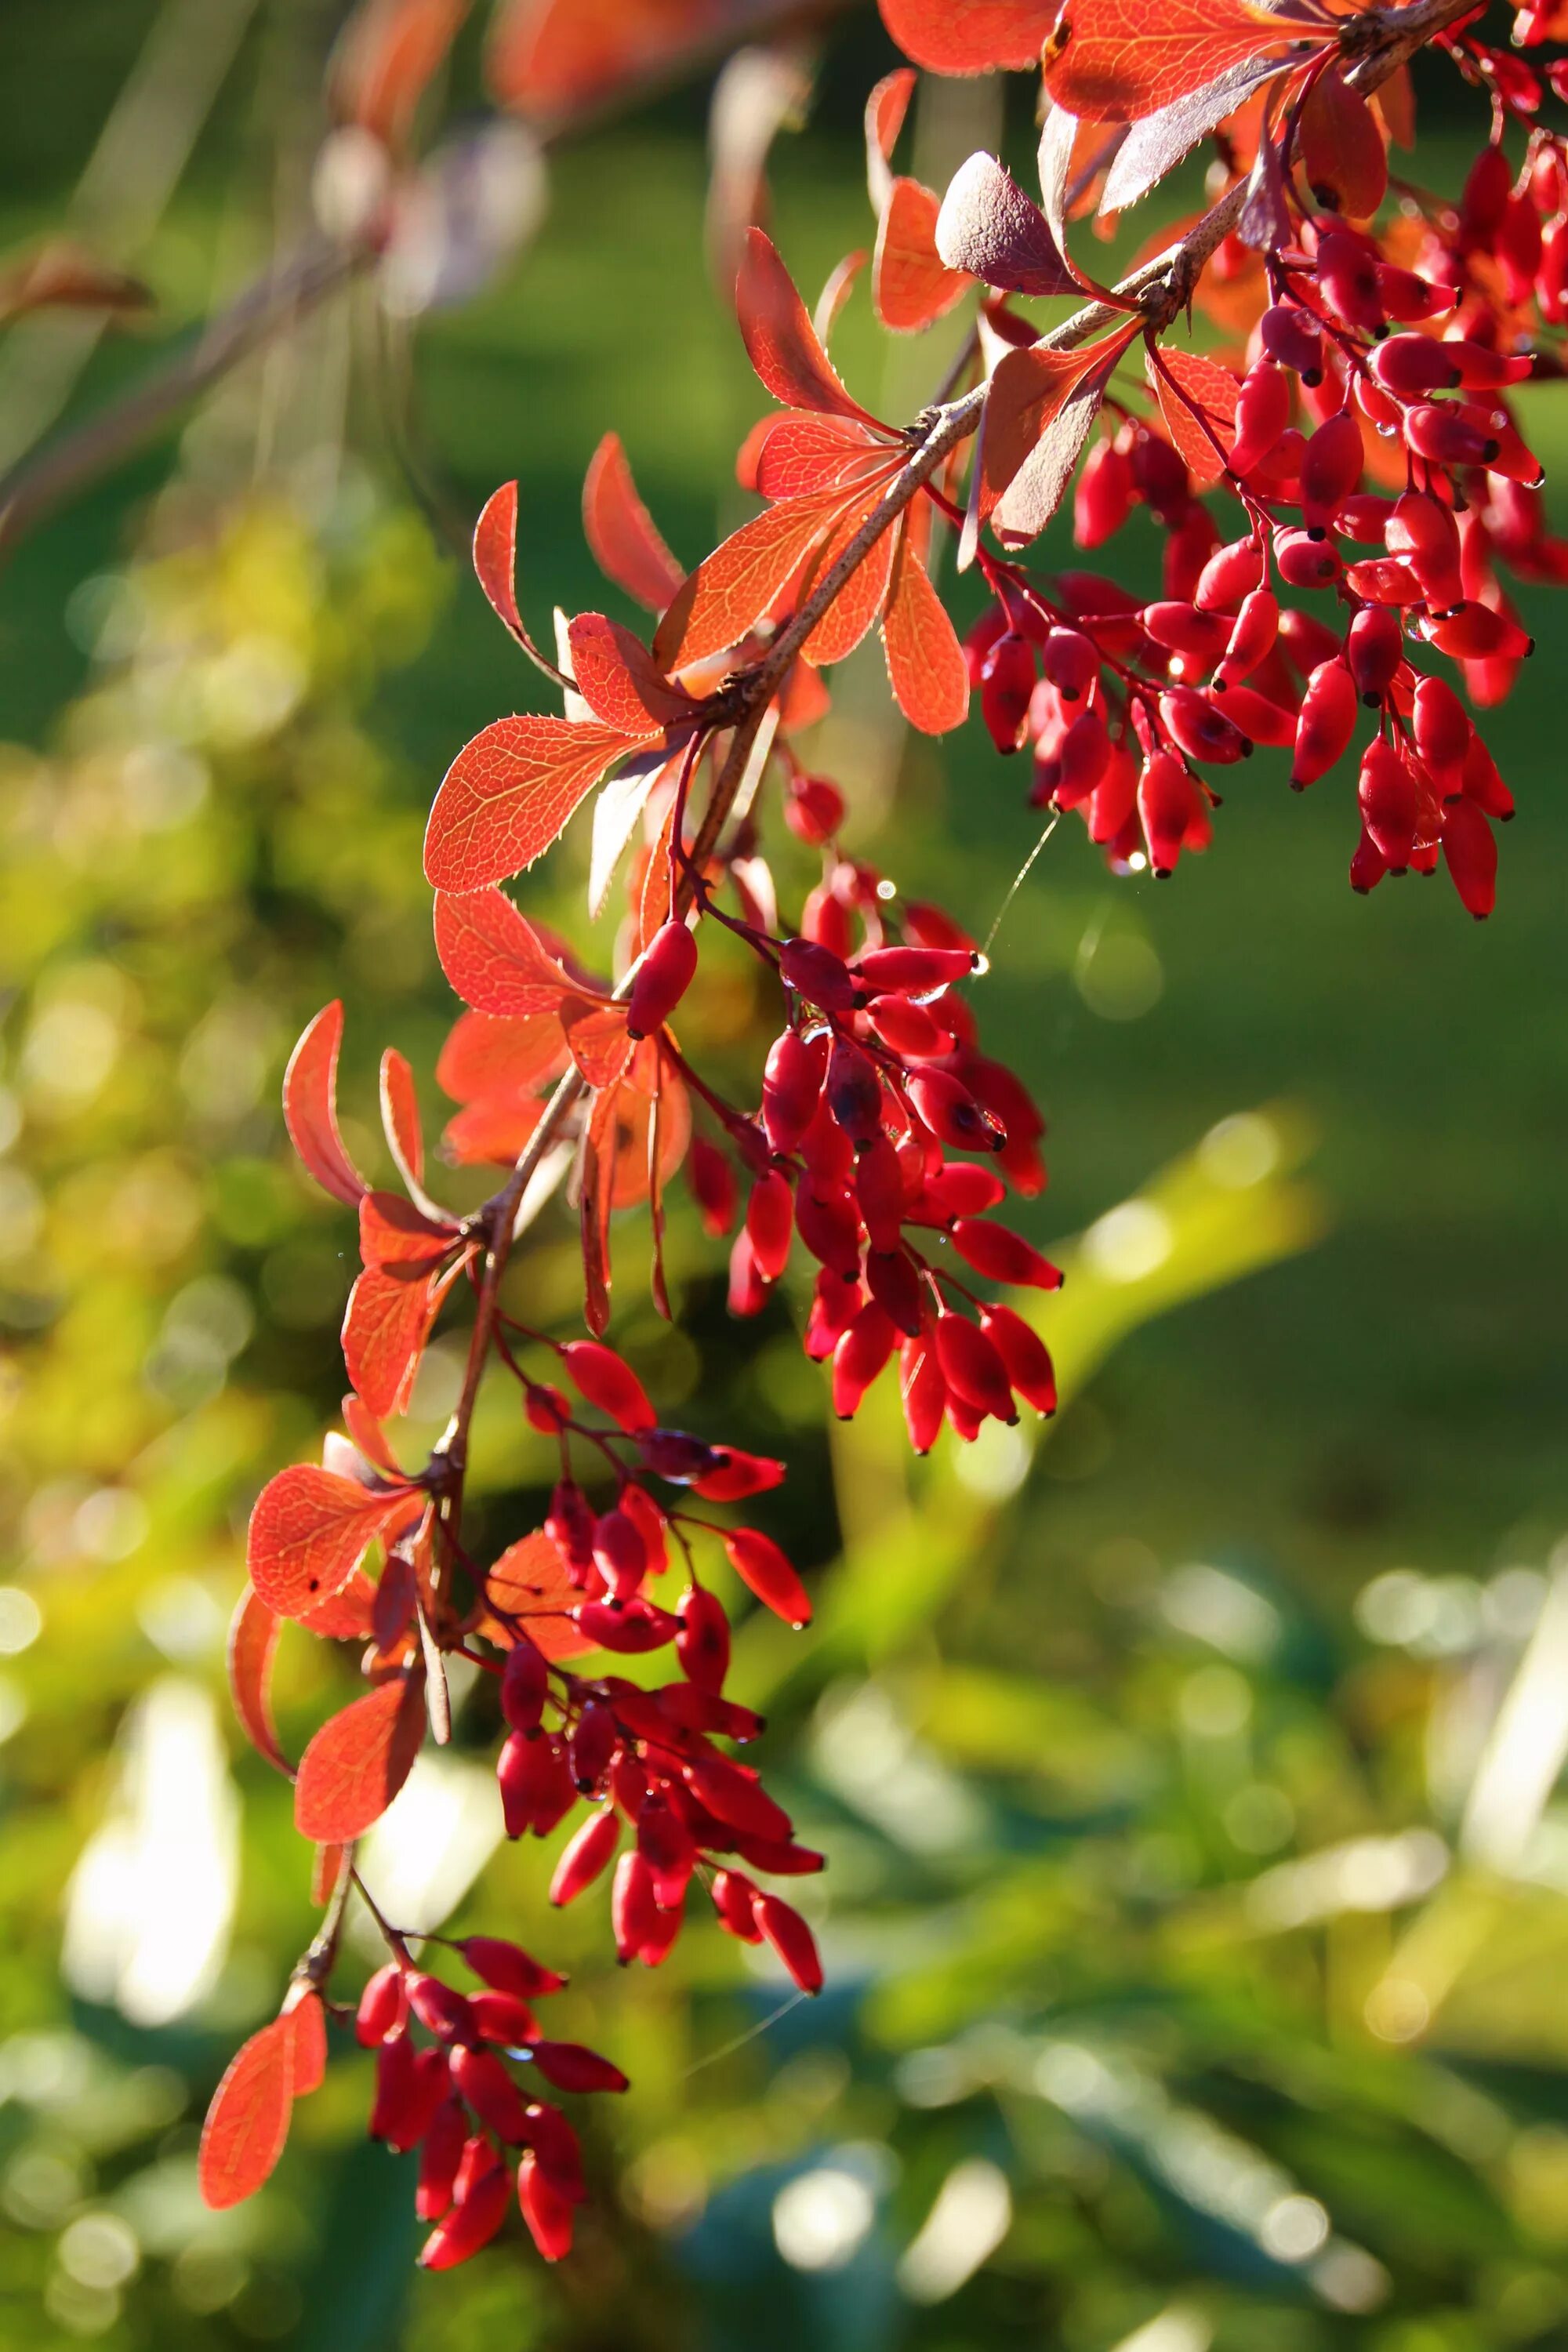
493	956
858	601
1117	60
802	457
390	1314
311	1107
988	227
732	588
508	796
1341	148
910	286
306	2019
400	1118
1028	391
884	112
622	533
1157	144
385	59
1204	387
252	1644
617	812
247	2122
487	1052
618	678
970	36
781	342
528	1587
310	1531
358	1761
925	660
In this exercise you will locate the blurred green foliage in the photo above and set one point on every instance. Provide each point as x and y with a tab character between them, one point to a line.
1198	1902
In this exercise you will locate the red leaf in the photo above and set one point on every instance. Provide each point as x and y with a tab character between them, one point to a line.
386	58
596	1037
1028	392
859	600
493	1132
1156	144
968	36
311	1107
781	342
618	680
884	112
925	660
495	561
1116	60
1212	390
252	1642
732	588
365	1434
802	457
622	533
247	2121
910	285
554	57
308	1531
529	1583
1040	484
990	228
400	1118
385	1328
358	1761
326	1865
494	958
393	1231
343	1616
508	794
488	1052
306	2019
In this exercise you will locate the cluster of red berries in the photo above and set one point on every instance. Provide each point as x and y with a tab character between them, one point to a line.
1359	364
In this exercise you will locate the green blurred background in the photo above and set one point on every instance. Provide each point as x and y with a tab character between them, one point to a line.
1198	1904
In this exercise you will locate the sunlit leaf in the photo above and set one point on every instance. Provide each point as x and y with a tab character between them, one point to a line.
1116	60
310	1531
252	1644
311	1107
910	286
781	342
925	660
358	1761
509	793
247	2122
967	36
623	535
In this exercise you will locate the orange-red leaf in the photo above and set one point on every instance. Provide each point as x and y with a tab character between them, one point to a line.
306	2019
884	112
596	1037
494	1131
386	1325
555	57
358	1761
910	286
310	1531
969	37
859	600
495	560
487	1053
925	660
781	342
494	958
365	1434
247	2121
528	1584
802	457
618	678
311	1107
1116	60
732	588
1209	389
508	794
625	538
252	1642
1028	391
393	1231
386	58
400	1116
